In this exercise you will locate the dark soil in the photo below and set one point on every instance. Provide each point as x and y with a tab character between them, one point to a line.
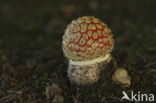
31	57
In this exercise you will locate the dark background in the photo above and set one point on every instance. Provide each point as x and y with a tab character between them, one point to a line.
31	56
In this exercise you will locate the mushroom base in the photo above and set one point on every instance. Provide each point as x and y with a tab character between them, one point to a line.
83	73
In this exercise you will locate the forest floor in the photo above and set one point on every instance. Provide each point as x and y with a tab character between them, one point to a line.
33	68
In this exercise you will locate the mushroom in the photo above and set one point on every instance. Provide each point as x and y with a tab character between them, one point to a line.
87	43
121	76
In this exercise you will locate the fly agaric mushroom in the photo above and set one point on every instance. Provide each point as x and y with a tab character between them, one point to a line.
87	43
121	76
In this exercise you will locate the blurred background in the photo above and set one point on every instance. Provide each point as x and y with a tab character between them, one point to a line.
31	56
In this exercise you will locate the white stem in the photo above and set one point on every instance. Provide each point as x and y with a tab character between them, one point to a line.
93	61
85	72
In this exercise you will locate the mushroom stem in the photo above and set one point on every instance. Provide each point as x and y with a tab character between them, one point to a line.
86	72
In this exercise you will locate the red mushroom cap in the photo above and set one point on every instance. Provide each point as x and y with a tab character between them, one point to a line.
87	38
